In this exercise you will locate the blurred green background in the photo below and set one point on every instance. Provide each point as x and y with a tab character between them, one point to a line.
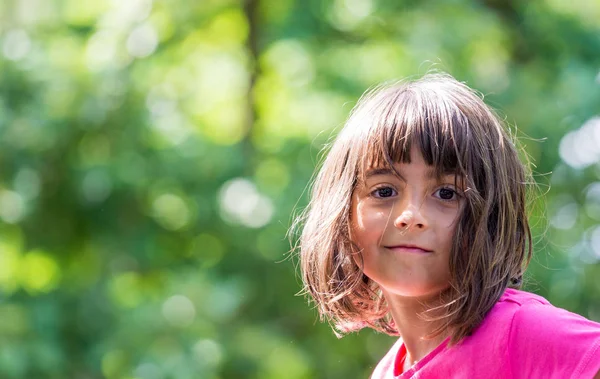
152	154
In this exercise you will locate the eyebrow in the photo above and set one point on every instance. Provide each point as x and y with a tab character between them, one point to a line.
380	171
431	174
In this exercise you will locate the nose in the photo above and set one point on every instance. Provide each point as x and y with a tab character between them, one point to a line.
410	217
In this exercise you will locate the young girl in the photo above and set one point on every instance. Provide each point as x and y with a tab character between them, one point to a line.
417	227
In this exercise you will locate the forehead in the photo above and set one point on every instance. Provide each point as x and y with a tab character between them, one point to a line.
416	162
437	157
387	127
408	172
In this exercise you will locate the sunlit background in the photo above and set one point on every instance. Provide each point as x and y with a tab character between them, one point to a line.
152	154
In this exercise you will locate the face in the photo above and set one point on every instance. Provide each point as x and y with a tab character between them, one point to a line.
404	227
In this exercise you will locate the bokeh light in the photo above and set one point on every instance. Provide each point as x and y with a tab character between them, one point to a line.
153	155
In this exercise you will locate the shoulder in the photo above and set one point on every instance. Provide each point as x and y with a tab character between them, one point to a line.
544	337
535	317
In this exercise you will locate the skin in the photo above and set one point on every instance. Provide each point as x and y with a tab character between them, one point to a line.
393	215
415	209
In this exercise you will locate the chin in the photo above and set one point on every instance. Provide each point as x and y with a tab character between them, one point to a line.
414	292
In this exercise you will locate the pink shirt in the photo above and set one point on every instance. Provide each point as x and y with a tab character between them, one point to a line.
523	336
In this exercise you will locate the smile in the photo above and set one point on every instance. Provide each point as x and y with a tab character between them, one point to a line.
411	249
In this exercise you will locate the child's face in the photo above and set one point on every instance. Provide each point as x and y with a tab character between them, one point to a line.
405	226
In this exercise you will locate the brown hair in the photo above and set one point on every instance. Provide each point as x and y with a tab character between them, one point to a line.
454	131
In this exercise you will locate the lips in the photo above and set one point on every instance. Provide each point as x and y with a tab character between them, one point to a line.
413	249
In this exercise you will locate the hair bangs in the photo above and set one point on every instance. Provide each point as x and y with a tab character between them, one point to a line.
437	128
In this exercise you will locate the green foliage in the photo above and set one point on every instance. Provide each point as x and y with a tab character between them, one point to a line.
152	154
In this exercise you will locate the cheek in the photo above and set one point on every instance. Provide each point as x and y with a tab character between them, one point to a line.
446	217
366	217
367	223
449	222
448	229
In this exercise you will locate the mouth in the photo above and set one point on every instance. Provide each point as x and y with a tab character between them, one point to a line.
413	249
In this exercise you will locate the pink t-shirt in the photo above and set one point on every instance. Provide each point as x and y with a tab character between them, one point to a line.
523	336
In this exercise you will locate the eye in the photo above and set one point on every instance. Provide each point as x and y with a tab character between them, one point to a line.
383	192
446	194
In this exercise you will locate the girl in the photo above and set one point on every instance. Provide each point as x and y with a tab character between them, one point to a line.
417	227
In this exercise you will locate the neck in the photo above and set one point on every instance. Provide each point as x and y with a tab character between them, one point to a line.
412	328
